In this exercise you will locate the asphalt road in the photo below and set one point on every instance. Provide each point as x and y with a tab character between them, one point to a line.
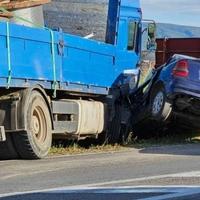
170	172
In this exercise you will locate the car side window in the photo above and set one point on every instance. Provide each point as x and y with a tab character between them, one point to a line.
132	36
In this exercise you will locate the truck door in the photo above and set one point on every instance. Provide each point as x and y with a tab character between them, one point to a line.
129	44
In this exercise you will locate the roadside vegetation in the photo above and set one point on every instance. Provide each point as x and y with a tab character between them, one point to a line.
87	146
75	149
171	136
184	137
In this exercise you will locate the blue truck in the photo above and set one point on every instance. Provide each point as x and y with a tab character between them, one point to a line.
54	83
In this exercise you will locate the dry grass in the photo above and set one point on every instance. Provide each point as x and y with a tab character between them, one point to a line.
77	149
171	138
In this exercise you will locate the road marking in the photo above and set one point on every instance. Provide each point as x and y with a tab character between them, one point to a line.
5	177
173	192
194	174
121	182
179	193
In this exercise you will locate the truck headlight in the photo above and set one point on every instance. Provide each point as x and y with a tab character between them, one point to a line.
133	82
133	77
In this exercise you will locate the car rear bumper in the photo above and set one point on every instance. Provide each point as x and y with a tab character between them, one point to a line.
185	87
186	92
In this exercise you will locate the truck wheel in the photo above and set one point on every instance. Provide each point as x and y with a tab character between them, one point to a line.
36	141
7	149
114	129
160	108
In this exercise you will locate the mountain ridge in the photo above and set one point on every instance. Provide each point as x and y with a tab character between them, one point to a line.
82	17
177	31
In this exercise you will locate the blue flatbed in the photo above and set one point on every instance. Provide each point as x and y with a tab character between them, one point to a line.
79	64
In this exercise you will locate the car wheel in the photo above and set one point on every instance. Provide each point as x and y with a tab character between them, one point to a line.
160	107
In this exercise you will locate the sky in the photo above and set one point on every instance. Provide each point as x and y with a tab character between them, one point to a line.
184	12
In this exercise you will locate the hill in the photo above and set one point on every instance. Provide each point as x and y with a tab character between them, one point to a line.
82	17
172	30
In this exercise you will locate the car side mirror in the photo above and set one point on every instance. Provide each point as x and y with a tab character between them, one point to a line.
151	44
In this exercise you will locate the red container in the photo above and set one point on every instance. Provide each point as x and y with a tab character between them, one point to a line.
167	47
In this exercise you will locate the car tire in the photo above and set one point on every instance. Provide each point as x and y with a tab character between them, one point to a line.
160	107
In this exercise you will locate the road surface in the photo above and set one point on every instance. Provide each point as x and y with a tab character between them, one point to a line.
169	172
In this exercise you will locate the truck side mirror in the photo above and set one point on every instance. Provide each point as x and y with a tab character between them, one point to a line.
151	44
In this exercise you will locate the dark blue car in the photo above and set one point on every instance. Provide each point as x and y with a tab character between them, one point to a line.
176	90
169	92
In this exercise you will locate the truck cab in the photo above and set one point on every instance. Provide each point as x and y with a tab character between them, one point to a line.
124	29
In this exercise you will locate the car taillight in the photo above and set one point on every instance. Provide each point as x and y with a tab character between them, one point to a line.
181	69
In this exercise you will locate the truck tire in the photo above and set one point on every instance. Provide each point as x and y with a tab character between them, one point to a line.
114	128
160	107
7	149
36	141
118	132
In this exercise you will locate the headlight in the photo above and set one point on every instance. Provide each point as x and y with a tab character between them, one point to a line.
133	82
133	77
